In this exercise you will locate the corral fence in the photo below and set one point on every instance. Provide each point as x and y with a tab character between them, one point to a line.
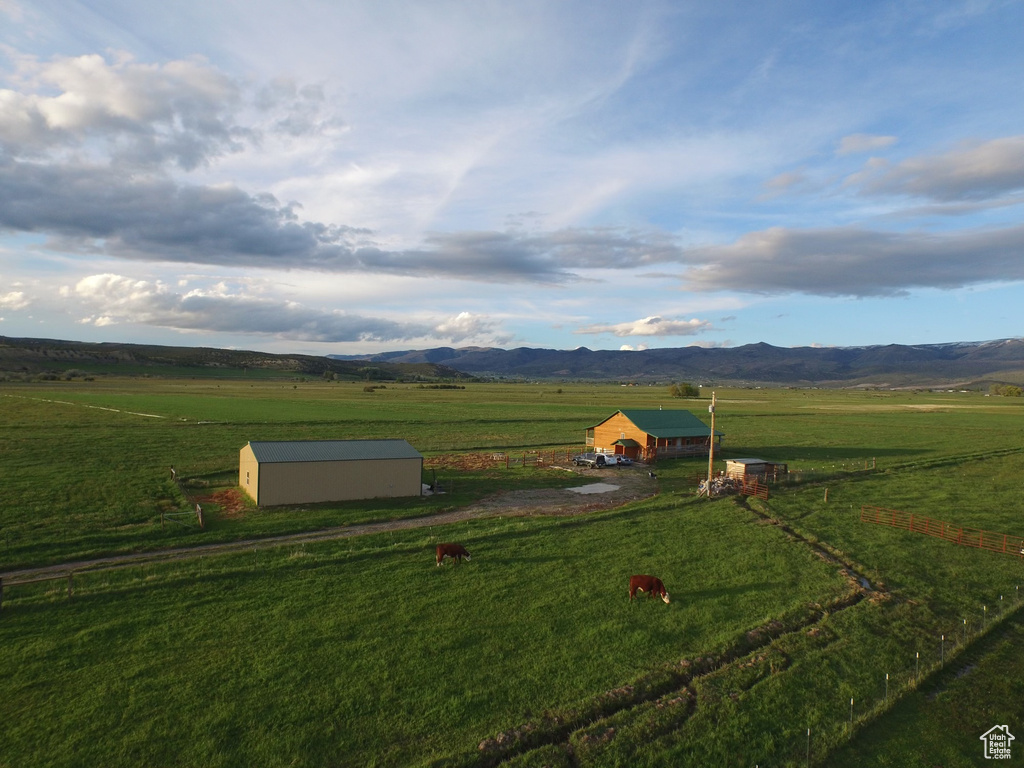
1003	543
501	459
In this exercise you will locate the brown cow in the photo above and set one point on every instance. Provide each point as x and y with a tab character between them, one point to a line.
652	585
455	551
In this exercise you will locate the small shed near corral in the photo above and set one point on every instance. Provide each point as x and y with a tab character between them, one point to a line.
748	469
648	435
312	471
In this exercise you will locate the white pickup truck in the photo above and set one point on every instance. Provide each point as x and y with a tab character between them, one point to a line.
593	460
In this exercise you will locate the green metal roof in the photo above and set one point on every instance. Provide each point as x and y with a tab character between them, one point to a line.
283	451
670	423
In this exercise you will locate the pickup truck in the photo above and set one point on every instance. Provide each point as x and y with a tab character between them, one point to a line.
591	460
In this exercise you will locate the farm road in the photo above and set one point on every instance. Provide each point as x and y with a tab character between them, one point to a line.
629	484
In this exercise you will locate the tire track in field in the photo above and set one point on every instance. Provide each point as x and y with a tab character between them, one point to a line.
642	704
86	405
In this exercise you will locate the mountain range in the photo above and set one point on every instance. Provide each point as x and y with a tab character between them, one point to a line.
961	364
955	365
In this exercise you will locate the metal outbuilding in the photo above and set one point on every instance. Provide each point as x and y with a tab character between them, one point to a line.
312	471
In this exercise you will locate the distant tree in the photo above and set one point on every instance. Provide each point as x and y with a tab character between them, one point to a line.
684	389
1006	390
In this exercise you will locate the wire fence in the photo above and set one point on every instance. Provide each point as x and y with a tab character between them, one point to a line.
195	512
834	723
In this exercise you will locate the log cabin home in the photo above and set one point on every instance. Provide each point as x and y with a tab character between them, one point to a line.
649	435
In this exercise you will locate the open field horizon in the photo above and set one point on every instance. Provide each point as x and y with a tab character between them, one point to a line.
361	652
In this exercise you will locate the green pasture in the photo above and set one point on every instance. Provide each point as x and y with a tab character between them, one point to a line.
363	652
360	651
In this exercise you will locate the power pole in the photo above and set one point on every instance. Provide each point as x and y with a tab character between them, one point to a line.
711	442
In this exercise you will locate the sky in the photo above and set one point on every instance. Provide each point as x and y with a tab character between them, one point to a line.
359	176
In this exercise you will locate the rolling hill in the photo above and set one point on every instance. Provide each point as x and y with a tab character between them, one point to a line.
52	357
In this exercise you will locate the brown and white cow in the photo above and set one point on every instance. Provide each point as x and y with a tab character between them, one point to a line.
652	585
455	551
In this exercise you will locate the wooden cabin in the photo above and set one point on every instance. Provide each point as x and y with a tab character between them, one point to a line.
649	435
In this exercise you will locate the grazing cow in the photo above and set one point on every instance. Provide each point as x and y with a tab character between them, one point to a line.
455	551
652	585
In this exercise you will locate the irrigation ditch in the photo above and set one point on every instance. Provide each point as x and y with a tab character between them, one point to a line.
662	700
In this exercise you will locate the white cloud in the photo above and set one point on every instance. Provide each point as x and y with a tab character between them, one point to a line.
115	299
466	325
650	326
140	113
14	300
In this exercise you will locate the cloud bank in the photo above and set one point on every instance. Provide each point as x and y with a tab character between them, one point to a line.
115	299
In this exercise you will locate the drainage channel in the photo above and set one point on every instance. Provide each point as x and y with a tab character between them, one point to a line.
666	687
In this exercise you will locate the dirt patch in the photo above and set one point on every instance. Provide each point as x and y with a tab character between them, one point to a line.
230	502
631	484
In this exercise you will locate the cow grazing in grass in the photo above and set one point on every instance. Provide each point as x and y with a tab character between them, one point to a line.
455	551
652	585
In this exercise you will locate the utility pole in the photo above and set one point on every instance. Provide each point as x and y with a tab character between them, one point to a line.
711	442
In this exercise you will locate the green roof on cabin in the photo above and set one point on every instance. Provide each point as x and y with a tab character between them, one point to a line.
665	423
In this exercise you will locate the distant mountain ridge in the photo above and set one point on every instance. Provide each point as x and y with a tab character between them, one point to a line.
957	364
962	363
32	357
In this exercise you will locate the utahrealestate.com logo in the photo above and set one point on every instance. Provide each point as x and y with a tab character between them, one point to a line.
997	742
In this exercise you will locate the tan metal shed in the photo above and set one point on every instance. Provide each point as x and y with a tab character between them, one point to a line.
312	471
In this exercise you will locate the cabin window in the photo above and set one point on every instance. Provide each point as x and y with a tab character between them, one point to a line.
247	478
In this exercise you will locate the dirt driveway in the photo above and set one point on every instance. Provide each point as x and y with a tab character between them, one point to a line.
597	490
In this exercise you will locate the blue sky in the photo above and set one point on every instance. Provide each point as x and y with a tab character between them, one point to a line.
349	177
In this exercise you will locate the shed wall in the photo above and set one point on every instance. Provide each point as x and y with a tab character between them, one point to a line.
249	473
318	481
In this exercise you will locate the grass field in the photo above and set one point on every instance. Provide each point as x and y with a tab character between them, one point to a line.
361	652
